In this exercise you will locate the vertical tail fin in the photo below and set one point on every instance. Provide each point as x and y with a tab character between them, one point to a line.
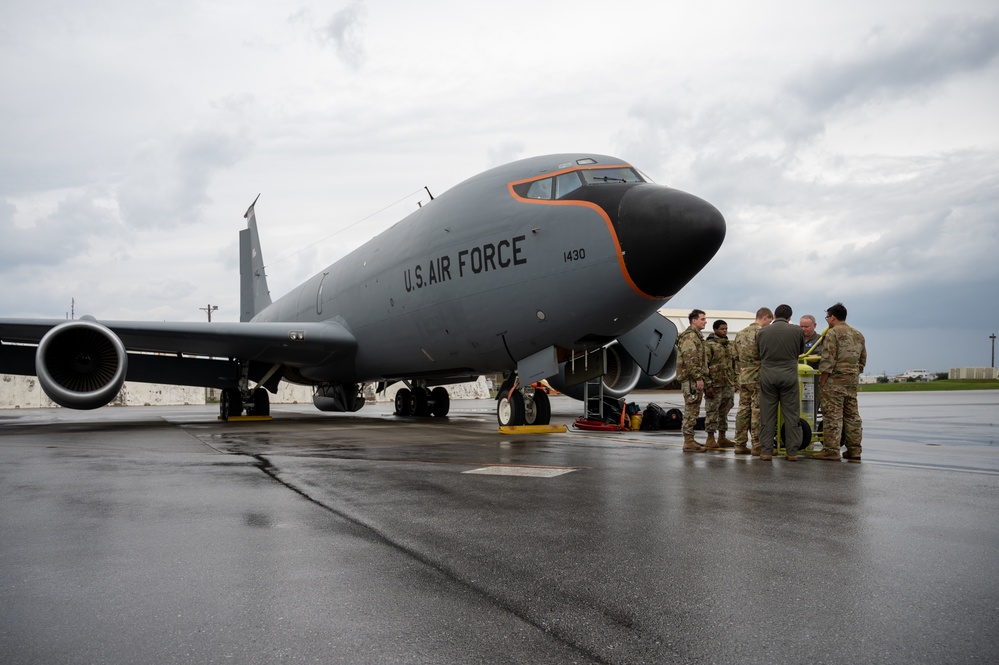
253	293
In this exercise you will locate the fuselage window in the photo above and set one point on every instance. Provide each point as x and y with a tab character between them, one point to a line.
540	189
566	183
621	174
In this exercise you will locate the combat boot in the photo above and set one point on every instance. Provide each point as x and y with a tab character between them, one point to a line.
711	444
741	449
852	455
691	446
756	450
826	454
724	441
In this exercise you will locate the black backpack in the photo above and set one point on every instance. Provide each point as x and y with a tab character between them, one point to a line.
672	420
653	418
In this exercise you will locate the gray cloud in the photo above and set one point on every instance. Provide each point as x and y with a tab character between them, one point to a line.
505	151
899	63
777	123
167	183
344	31
66	232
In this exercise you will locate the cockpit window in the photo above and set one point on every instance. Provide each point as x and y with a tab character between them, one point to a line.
540	189
559	186
619	174
566	183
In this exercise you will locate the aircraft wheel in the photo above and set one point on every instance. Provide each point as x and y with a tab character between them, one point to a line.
261	403
538	410
230	403
402	401
510	410
806	433
419	406
440	400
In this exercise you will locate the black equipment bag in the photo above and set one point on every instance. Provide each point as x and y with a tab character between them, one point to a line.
653	417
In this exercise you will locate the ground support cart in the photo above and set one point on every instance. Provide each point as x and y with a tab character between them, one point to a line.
810	417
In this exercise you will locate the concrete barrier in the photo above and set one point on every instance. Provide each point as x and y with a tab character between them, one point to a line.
24	392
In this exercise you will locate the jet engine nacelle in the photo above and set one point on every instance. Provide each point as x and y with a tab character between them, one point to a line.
665	377
621	377
81	364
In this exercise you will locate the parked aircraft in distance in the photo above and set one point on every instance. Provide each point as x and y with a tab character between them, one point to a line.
519	270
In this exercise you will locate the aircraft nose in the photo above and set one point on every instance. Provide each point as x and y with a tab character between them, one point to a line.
666	237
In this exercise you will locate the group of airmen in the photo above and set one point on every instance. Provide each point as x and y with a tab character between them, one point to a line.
763	367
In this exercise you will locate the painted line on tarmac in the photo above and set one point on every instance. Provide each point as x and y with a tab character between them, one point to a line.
523	471
934	467
527	469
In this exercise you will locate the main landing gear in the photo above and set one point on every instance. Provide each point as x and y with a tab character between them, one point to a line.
522	405
233	402
420	401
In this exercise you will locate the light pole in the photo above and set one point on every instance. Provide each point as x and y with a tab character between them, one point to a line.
209	392
993	338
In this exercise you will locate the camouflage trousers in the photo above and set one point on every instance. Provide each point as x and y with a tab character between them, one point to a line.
717	408
748	416
841	423
691	405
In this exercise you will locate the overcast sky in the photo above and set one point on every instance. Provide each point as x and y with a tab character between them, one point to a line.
853	147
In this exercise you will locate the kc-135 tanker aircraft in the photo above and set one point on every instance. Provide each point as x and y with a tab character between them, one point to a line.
525	270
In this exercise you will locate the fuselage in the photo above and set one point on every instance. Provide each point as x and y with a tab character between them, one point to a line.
567	251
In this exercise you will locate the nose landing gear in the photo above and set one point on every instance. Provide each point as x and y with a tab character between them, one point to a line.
522	405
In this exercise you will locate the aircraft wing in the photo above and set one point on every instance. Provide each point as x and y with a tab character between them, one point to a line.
291	344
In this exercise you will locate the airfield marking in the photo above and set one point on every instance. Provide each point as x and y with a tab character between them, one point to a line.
533	429
525	471
933	467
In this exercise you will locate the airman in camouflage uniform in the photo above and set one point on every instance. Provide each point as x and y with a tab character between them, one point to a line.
813	340
692	373
844	356
721	373
747	418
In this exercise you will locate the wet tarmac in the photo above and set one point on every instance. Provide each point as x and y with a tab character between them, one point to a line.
162	535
